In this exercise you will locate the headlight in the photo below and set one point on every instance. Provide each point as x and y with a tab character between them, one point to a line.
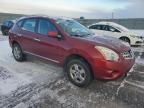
138	37
108	53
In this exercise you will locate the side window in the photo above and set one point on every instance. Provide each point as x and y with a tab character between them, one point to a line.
112	29
103	27
107	28
98	27
30	25
45	26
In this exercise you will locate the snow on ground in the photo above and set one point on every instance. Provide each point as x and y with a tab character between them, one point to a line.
140	61
139	53
10	81
42	84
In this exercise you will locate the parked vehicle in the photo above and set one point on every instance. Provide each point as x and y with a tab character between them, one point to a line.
66	42
6	26
117	31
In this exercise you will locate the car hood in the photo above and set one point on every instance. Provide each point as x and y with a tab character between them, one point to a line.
109	42
130	32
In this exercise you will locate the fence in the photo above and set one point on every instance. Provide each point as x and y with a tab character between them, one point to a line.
135	23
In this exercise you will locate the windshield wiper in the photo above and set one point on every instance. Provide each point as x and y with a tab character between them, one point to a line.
81	35
78	35
88	34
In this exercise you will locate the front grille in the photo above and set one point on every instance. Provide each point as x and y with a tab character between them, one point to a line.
128	54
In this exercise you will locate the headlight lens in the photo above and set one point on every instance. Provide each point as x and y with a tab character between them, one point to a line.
108	53
138	37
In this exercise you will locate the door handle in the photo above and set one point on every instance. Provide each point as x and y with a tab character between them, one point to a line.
38	40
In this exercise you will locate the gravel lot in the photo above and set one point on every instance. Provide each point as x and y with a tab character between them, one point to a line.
38	83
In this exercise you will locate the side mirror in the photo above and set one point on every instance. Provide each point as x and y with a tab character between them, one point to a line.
52	34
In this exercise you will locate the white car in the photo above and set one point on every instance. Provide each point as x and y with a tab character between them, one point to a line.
115	30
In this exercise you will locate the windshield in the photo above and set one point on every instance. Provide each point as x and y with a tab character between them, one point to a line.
73	28
121	28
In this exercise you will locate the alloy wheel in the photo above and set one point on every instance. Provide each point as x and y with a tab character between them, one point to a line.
77	73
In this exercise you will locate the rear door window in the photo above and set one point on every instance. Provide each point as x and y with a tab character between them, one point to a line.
98	27
29	25
103	27
44	26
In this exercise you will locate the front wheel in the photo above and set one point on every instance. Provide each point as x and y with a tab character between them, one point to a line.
17	52
79	72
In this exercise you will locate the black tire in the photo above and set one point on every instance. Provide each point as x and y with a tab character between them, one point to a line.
83	65
17	53
125	39
6	33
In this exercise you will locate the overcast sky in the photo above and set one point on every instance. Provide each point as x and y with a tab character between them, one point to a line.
76	8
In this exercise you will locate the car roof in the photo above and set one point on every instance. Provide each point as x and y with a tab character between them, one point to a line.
45	16
10	21
107	23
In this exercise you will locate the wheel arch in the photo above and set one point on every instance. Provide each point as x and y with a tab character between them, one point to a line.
125	37
15	42
78	56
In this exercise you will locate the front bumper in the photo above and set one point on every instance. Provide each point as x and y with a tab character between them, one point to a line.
109	70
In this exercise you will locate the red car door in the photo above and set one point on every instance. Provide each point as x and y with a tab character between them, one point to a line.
27	35
48	47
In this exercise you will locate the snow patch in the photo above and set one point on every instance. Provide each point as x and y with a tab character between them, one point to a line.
21	105
134	84
121	86
140	61
11	81
124	81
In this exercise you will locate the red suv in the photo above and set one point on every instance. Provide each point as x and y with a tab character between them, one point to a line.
64	41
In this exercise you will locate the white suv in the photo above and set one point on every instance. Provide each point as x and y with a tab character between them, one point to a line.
116	30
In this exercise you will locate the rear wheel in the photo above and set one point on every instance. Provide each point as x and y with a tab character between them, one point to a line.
79	72
17	52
